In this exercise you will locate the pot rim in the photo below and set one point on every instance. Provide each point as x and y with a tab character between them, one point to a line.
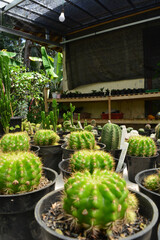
63	237
64	145
131	156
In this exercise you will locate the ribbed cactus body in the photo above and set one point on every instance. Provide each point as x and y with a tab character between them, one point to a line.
157	130
90	160
12	142
81	140
111	136
20	171
141	146
152	182
45	137
95	200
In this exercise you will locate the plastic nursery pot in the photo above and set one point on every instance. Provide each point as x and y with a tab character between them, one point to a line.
148	209
35	149
138	164
64	167
51	155
68	152
152	195
158	232
17	212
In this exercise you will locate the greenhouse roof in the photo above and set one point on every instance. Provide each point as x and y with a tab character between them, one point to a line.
40	17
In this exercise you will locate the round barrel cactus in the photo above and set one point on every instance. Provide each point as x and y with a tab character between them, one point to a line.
111	136
20	172
152	182
90	160
81	140
157	130
141	146
45	137
15	142
96	200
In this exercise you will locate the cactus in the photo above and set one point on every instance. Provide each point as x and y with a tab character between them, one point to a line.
111	136
141	146
45	137
88	128
152	182
81	140
147	126
157	130
12	142
96	200
90	159
141	131
20	172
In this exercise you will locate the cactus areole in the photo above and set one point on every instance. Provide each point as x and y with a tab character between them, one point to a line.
96	200
111	136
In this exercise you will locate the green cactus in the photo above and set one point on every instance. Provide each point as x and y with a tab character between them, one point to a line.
88	128
111	136
141	131
45	137
129	129
141	146
157	131
96	200
152	182
147	126
90	160
12	142
81	140
20	172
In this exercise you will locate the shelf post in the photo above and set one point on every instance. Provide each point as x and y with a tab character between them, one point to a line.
109	108
45	99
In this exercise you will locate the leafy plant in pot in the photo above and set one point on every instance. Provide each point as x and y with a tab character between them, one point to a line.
142	154
94	206
50	148
88	160
80	140
23	181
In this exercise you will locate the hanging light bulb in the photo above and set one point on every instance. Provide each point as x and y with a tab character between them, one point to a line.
62	16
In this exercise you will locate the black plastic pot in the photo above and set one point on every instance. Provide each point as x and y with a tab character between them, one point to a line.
35	149
158	232
17	220
68	152
64	165
13	122
51	155
138	164
147	209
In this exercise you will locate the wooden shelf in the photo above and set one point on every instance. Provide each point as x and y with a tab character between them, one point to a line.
137	96
89	99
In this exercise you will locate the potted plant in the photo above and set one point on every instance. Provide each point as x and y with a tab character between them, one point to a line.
50	148
23	181
80	140
111	137
142	154
95	206
88	160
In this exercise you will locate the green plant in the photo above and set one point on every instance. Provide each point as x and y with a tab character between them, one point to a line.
141	146
147	126
95	201
54	115
12	142
152	182
141	131
20	172
157	130
88	128
81	140
28	127
45	137
90	160
111	136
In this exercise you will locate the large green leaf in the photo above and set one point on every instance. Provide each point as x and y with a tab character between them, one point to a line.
35	59
8	54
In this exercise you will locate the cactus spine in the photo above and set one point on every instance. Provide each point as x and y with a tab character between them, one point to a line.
12	142
111	136
96	200
157	130
81	140
141	146
45	137
90	160
20	171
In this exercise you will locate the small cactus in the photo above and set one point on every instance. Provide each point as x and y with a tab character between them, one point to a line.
18	141
147	126
45	137
90	160
152	182
97	200
157	130
141	131
20	172
111	136
141	146
81	140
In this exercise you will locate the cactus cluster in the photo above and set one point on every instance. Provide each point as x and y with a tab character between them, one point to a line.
20	172
111	136
18	141
96	200
45	137
141	146
81	140
90	160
